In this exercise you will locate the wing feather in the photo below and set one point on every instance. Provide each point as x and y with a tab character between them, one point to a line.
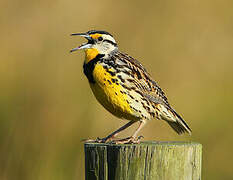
153	93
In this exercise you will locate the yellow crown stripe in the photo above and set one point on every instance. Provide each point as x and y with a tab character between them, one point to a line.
95	36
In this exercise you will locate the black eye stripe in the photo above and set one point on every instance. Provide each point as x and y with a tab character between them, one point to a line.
109	41
91	41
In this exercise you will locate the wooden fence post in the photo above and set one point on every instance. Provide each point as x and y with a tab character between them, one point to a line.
145	161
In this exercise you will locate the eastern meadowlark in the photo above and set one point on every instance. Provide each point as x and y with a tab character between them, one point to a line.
123	86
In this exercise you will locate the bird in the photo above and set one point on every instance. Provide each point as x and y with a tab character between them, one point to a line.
122	85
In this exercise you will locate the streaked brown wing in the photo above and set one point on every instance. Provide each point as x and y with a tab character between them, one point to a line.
144	82
141	82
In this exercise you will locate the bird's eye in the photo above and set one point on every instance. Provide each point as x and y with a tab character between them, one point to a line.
100	38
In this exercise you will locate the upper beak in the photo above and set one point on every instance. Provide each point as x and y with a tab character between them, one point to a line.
85	45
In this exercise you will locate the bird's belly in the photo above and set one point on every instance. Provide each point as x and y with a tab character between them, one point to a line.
110	94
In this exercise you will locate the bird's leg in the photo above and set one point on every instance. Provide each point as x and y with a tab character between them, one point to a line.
133	139
115	133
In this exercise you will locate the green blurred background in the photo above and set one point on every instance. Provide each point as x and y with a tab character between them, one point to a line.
46	105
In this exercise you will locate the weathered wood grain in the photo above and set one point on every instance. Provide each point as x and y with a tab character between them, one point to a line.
144	161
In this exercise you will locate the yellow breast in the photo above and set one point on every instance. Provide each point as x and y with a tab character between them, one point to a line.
109	93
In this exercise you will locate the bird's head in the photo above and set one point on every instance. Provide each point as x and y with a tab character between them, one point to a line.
99	42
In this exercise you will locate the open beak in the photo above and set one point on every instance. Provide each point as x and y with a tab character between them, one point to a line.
84	45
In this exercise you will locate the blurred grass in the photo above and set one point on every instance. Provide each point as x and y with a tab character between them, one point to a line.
46	106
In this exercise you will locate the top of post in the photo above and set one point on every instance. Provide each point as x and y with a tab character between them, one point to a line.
149	143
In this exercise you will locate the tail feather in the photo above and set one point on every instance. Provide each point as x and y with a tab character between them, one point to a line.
180	126
168	114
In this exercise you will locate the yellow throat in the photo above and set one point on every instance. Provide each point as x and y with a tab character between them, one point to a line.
90	54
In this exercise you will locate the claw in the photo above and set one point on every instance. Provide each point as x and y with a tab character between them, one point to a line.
97	140
128	140
88	140
140	137
102	140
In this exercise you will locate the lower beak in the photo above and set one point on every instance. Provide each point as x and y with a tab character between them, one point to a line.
85	45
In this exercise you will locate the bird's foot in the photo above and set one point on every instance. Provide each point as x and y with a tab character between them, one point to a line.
103	140
112	140
88	140
97	140
128	140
